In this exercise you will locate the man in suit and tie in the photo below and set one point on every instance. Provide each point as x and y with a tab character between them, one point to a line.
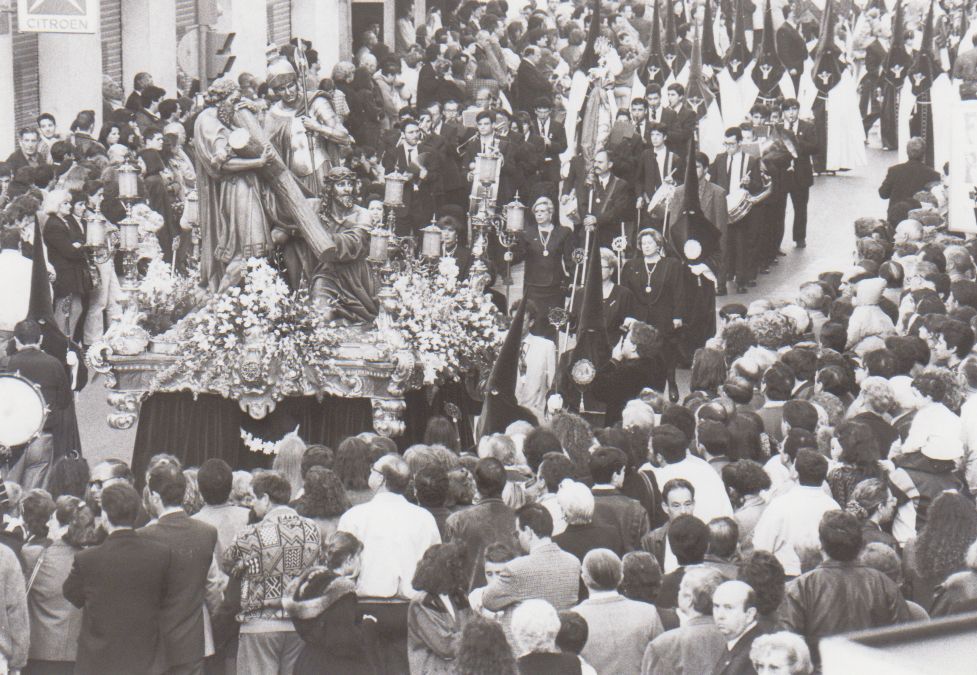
192	578
735	612
679	118
657	165
409	157
604	200
800	176
902	181
546	572
530	83
121	585
547	250
731	170
554	137
485	141
653	97
451	131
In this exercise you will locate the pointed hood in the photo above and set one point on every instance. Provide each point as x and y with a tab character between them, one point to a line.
41	307
924	68
827	68
693	236
768	69
589	57
697	92
670	42
656	67
593	348
500	408
709	55
897	60
738	57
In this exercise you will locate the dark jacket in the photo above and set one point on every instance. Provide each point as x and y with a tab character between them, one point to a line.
719	173
121	585
530	84
46	372
736	661
478	526
330	621
539	663
191	544
648	176
580	539
805	139
839	597
681	124
550	167
931	477
546	271
901	182
791	48
617	382
626	515
68	260
428	83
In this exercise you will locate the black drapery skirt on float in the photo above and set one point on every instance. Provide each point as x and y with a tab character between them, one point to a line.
195	430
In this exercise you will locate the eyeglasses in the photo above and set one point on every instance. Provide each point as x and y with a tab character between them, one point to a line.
96	484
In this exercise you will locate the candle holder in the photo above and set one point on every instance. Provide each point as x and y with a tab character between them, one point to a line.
393	189
128	178
97	242
431	242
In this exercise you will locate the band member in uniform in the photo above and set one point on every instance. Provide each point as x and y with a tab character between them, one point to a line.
658	165
423	168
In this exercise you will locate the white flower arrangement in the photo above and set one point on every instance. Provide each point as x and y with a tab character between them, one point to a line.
165	296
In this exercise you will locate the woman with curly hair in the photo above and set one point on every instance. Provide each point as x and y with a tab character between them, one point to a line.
636	363
941	547
324	609
765	574
857	450
484	650
323	500
874	505
436	620
737	337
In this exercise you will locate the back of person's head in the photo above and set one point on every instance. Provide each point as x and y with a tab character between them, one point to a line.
316	455
537	444
536	518
930	385
641	576
802	361
670	442
699	584
120	505
554	468
340	547
833	336
778	383
535	625
739	389
352	463
602	570
883	558
490	477
169	483
715	438
800	414
765	574
441	431
841	535
605	462
746	477
274	485
573	633
36	508
576	501
688	538
498	446
680	417
795	440
723	537
811	467
431	486
69	476
441	570
859	445
214	479
395	472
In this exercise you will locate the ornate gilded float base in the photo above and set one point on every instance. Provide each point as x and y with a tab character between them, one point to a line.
361	372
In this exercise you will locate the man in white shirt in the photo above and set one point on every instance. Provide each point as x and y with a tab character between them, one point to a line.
670	452
15	281
394	532
788	527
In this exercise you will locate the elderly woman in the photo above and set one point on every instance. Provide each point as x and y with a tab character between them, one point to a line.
582	534
781	654
868	320
436	620
535	625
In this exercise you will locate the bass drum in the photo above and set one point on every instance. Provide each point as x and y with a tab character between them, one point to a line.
22	410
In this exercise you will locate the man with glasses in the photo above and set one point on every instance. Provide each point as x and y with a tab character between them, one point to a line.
104	474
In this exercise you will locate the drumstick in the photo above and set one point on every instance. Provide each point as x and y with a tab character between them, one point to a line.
620	254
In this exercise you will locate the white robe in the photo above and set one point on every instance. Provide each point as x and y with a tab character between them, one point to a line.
846	135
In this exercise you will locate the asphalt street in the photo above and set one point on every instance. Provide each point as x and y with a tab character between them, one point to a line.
835	203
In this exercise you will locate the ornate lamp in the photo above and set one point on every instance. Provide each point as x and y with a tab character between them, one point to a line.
393	189
128	177
431	241
515	216
487	167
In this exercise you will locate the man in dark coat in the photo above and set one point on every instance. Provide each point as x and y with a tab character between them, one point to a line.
428	78
679	118
735	612
191	544
530	83
604	201
26	153
487	522
791	47
409	157
902	181
804	136
120	585
611	507
554	137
